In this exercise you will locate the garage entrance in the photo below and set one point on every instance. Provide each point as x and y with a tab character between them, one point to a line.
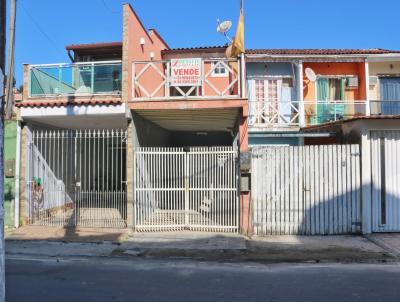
77	178
385	150
191	188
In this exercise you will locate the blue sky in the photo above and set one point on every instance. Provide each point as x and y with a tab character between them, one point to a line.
44	27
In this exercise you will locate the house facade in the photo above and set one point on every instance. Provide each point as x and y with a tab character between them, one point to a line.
135	134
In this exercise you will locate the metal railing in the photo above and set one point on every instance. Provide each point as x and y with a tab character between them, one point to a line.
294	113
319	112
378	107
218	78
75	79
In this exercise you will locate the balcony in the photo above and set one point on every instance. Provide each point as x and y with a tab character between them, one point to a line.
77	79
191	78
295	114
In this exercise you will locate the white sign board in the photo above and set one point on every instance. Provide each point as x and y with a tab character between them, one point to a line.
186	72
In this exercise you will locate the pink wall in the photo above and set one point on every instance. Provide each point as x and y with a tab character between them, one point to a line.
133	31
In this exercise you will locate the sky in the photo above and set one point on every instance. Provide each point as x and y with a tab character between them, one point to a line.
44	27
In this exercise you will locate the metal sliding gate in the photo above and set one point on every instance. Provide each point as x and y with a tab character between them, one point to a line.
77	178
186	189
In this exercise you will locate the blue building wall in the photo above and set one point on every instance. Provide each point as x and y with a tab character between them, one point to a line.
264	69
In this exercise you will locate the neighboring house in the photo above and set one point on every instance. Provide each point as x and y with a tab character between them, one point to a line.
282	99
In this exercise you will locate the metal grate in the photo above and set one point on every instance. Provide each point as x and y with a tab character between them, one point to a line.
178	190
77	178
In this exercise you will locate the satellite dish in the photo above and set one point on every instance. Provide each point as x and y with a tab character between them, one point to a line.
223	27
311	74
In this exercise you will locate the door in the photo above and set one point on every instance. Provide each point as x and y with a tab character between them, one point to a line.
385	148
265	99
186	189
330	94
390	95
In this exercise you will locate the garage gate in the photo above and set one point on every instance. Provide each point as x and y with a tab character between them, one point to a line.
385	167
186	189
77	178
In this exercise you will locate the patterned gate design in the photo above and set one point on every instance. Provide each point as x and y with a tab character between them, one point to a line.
77	178
186	189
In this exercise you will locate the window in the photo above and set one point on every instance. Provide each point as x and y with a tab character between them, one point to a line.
219	69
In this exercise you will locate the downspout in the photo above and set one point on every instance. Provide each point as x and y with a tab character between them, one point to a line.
17	168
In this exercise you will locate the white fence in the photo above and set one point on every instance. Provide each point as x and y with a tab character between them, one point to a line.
178	189
308	190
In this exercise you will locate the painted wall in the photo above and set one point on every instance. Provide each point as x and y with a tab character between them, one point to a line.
10	141
133	32
391	68
335	68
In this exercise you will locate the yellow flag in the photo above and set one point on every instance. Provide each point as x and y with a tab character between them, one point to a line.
237	46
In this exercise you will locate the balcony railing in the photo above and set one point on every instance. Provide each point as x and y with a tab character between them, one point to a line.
75	79
214	78
384	107
295	113
274	114
320	112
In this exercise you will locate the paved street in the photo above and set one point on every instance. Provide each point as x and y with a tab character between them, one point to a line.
96	279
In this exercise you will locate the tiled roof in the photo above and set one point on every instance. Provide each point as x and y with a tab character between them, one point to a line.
357	118
191	49
66	103
94	45
320	51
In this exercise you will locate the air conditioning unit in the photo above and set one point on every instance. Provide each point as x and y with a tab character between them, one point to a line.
352	82
373	80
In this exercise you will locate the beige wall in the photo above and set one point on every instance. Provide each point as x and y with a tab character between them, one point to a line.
380	69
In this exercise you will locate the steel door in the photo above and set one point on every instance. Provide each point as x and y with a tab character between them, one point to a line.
385	150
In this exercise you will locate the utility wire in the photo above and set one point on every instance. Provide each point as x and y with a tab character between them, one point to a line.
109	8
56	47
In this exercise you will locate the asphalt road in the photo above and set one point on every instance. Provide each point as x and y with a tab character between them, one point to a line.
160	280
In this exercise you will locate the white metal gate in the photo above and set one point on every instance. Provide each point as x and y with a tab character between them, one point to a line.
385	161
77	178
186	189
306	190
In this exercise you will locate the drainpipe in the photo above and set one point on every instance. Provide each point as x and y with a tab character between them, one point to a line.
17	168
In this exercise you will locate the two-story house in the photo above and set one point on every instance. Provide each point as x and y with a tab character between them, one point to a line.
134	134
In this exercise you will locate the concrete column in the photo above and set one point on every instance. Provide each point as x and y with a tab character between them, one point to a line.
300	93
367	103
23	203
25	83
366	181
129	176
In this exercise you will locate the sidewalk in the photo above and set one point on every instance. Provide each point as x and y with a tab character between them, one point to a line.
191	245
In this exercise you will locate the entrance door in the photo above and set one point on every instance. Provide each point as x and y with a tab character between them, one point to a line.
186	189
385	148
390	95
